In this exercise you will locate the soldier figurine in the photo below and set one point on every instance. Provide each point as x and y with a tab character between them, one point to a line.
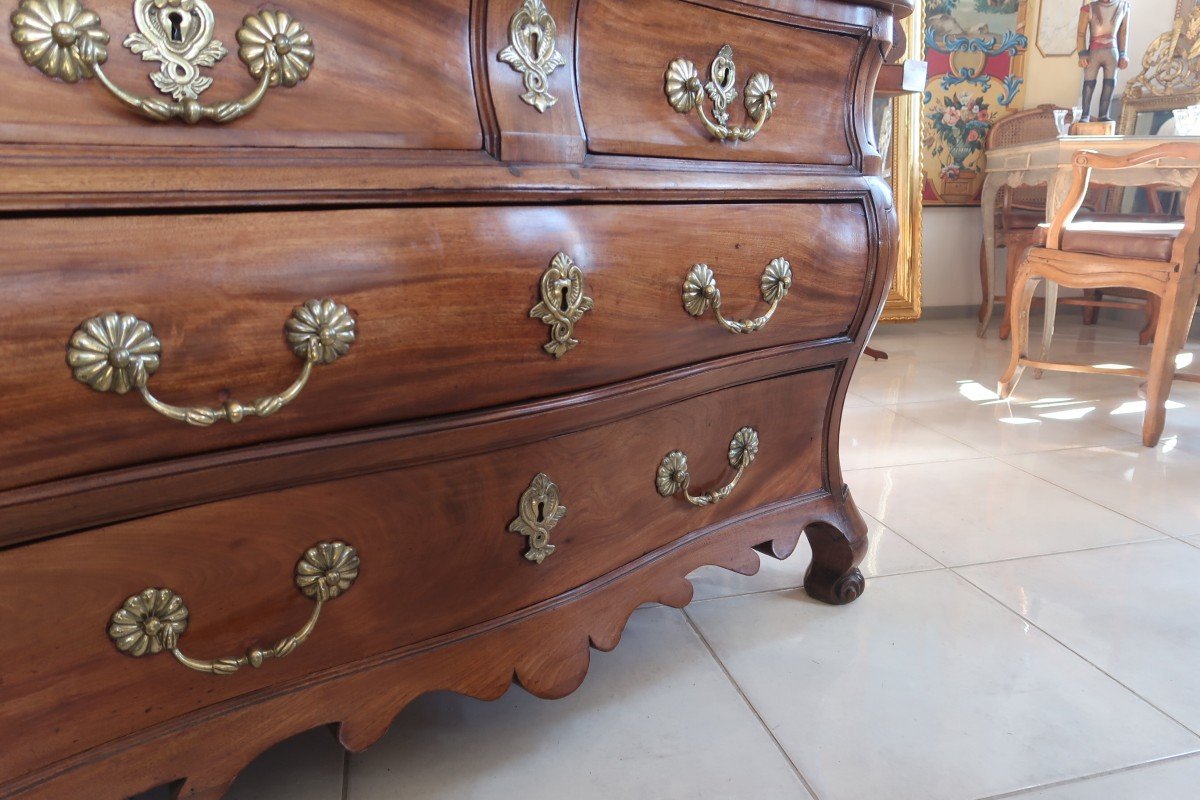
1106	24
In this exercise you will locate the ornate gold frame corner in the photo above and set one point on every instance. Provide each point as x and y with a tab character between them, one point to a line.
904	298
1170	74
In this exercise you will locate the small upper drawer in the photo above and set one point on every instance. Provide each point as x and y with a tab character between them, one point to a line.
626	51
452	309
363	74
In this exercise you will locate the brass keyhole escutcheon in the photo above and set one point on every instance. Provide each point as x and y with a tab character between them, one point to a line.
564	302
538	511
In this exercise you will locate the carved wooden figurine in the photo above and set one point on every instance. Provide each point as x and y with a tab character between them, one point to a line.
1103	42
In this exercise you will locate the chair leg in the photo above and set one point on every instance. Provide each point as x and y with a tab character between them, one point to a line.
1020	300
1167	343
1015	254
1153	309
983	281
1092	313
1050	293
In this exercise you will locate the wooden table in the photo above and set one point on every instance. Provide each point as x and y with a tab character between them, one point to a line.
1048	164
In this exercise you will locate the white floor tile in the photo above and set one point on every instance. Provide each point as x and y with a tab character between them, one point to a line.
903	380
969	512
926	689
1131	610
1000	427
874	437
887	554
657	718
1154	486
856	401
1176	779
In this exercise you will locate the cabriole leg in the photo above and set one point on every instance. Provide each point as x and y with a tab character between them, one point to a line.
838	545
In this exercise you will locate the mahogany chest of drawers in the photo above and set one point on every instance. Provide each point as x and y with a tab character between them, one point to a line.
354	350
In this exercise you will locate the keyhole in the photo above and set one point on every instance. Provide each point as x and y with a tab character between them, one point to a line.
541	512
176	20
565	305
533	41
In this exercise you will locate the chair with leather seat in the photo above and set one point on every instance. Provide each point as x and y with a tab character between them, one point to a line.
1020	210
1156	257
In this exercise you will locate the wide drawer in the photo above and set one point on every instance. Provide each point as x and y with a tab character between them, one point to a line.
626	51
436	551
383	74
442	301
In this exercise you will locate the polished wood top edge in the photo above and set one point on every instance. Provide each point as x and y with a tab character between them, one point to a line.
40	511
816	504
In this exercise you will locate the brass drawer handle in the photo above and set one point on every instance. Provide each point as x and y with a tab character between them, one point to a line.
685	93
65	40
119	352
700	293
673	476
532	53
153	620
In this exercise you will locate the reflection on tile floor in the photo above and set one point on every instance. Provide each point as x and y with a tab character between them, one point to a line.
1029	629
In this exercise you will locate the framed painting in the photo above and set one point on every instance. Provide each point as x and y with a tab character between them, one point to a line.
976	53
1058	24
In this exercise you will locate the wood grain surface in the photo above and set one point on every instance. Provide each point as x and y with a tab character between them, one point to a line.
386	74
442	299
625	109
429	538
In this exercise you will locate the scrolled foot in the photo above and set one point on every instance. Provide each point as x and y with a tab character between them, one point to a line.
838	545
849	586
839	592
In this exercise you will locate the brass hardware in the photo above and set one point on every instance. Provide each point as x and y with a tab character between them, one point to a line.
154	619
685	93
563	303
119	352
538	512
673	476
65	40
700	292
531	52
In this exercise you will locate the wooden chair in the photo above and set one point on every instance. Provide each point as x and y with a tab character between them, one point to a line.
1159	258
1021	210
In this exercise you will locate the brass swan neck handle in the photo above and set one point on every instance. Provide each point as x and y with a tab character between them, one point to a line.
65	41
152	620
118	352
673	476
700	293
686	93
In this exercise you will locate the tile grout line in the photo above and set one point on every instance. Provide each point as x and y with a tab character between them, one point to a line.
737	688
1077	654
1088	499
1088	549
800	586
903	538
955	567
1080	779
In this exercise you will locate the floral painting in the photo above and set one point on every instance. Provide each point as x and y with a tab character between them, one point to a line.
976	54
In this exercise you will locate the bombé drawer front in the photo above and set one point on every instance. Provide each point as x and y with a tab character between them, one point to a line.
681	80
297	73
119	628
133	340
